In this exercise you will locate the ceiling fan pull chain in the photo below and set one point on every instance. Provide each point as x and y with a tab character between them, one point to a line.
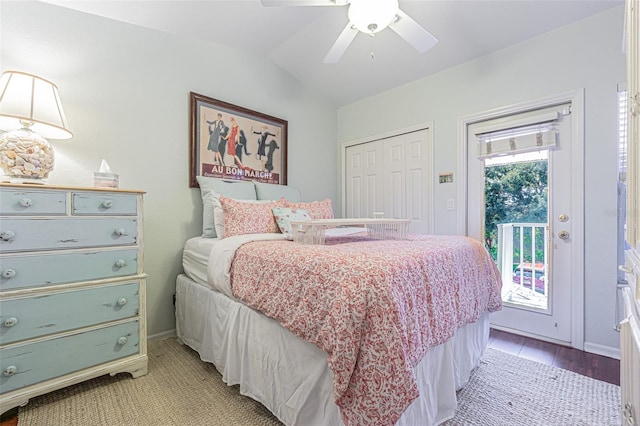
372	54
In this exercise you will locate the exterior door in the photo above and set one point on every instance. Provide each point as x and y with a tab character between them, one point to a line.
533	242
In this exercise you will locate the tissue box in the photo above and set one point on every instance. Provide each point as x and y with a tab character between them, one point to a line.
105	180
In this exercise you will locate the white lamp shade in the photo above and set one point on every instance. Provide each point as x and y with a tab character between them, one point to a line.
29	98
371	16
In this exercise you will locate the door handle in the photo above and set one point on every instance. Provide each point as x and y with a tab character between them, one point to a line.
563	235
625	269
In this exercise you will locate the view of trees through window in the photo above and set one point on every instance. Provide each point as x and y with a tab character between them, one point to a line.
516	192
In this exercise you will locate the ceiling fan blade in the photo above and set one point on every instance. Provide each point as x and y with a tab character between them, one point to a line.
413	32
340	46
270	3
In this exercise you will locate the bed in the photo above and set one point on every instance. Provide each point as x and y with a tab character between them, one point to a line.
355	331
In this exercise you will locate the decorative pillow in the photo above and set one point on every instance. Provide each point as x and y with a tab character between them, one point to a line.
270	191
218	213
284	216
240	190
317	209
246	217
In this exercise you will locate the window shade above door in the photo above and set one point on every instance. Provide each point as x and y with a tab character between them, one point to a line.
519	133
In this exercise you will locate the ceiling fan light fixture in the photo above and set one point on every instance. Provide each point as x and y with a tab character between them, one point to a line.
372	16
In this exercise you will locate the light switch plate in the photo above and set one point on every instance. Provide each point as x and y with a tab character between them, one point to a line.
451	204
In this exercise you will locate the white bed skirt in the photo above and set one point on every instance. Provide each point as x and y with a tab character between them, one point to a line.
290	376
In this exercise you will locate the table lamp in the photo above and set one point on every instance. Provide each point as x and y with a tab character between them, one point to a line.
30	110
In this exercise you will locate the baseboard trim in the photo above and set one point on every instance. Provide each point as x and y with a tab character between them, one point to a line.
594	348
532	336
164	335
608	351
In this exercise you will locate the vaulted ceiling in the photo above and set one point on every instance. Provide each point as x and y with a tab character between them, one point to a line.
298	38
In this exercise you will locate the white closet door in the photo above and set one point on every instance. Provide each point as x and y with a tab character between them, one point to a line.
395	178
373	188
419	179
354	177
393	175
364	191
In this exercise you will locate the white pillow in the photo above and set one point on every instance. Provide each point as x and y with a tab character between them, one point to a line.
271	191
240	190
218	216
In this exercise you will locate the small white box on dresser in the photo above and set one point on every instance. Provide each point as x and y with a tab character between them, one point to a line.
72	288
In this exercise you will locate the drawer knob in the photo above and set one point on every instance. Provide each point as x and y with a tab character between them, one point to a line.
107	204
122	340
120	263
10	371
120	232
10	322
8	273
627	413
26	202
122	301
7	235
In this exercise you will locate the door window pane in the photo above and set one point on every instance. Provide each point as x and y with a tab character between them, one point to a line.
515	226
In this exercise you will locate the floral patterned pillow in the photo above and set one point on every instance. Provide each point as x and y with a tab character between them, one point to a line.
284	216
317	209
246	217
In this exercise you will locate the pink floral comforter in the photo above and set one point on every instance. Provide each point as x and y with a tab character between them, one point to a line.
374	307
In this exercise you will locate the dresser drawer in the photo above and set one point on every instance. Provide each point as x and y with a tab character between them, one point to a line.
17	271
48	313
104	204
24	365
52	234
631	304
15	202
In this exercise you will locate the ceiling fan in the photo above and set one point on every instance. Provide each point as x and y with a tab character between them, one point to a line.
369	17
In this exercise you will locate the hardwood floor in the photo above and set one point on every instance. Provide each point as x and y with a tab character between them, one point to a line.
590	365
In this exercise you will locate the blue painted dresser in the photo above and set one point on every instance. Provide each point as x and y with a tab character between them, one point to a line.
72	288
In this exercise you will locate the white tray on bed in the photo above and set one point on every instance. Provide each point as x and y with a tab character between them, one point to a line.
314	231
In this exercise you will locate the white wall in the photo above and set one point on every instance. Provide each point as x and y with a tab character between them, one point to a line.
125	90
586	55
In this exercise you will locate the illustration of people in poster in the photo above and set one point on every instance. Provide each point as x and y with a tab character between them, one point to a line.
245	148
262	144
232	141
216	128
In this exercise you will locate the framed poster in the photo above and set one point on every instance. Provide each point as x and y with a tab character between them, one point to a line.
232	142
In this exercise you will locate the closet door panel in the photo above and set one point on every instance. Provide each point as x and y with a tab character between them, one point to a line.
395	178
373	169
419	182
353	180
364	178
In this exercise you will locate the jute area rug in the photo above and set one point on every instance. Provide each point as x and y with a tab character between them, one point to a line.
182	390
